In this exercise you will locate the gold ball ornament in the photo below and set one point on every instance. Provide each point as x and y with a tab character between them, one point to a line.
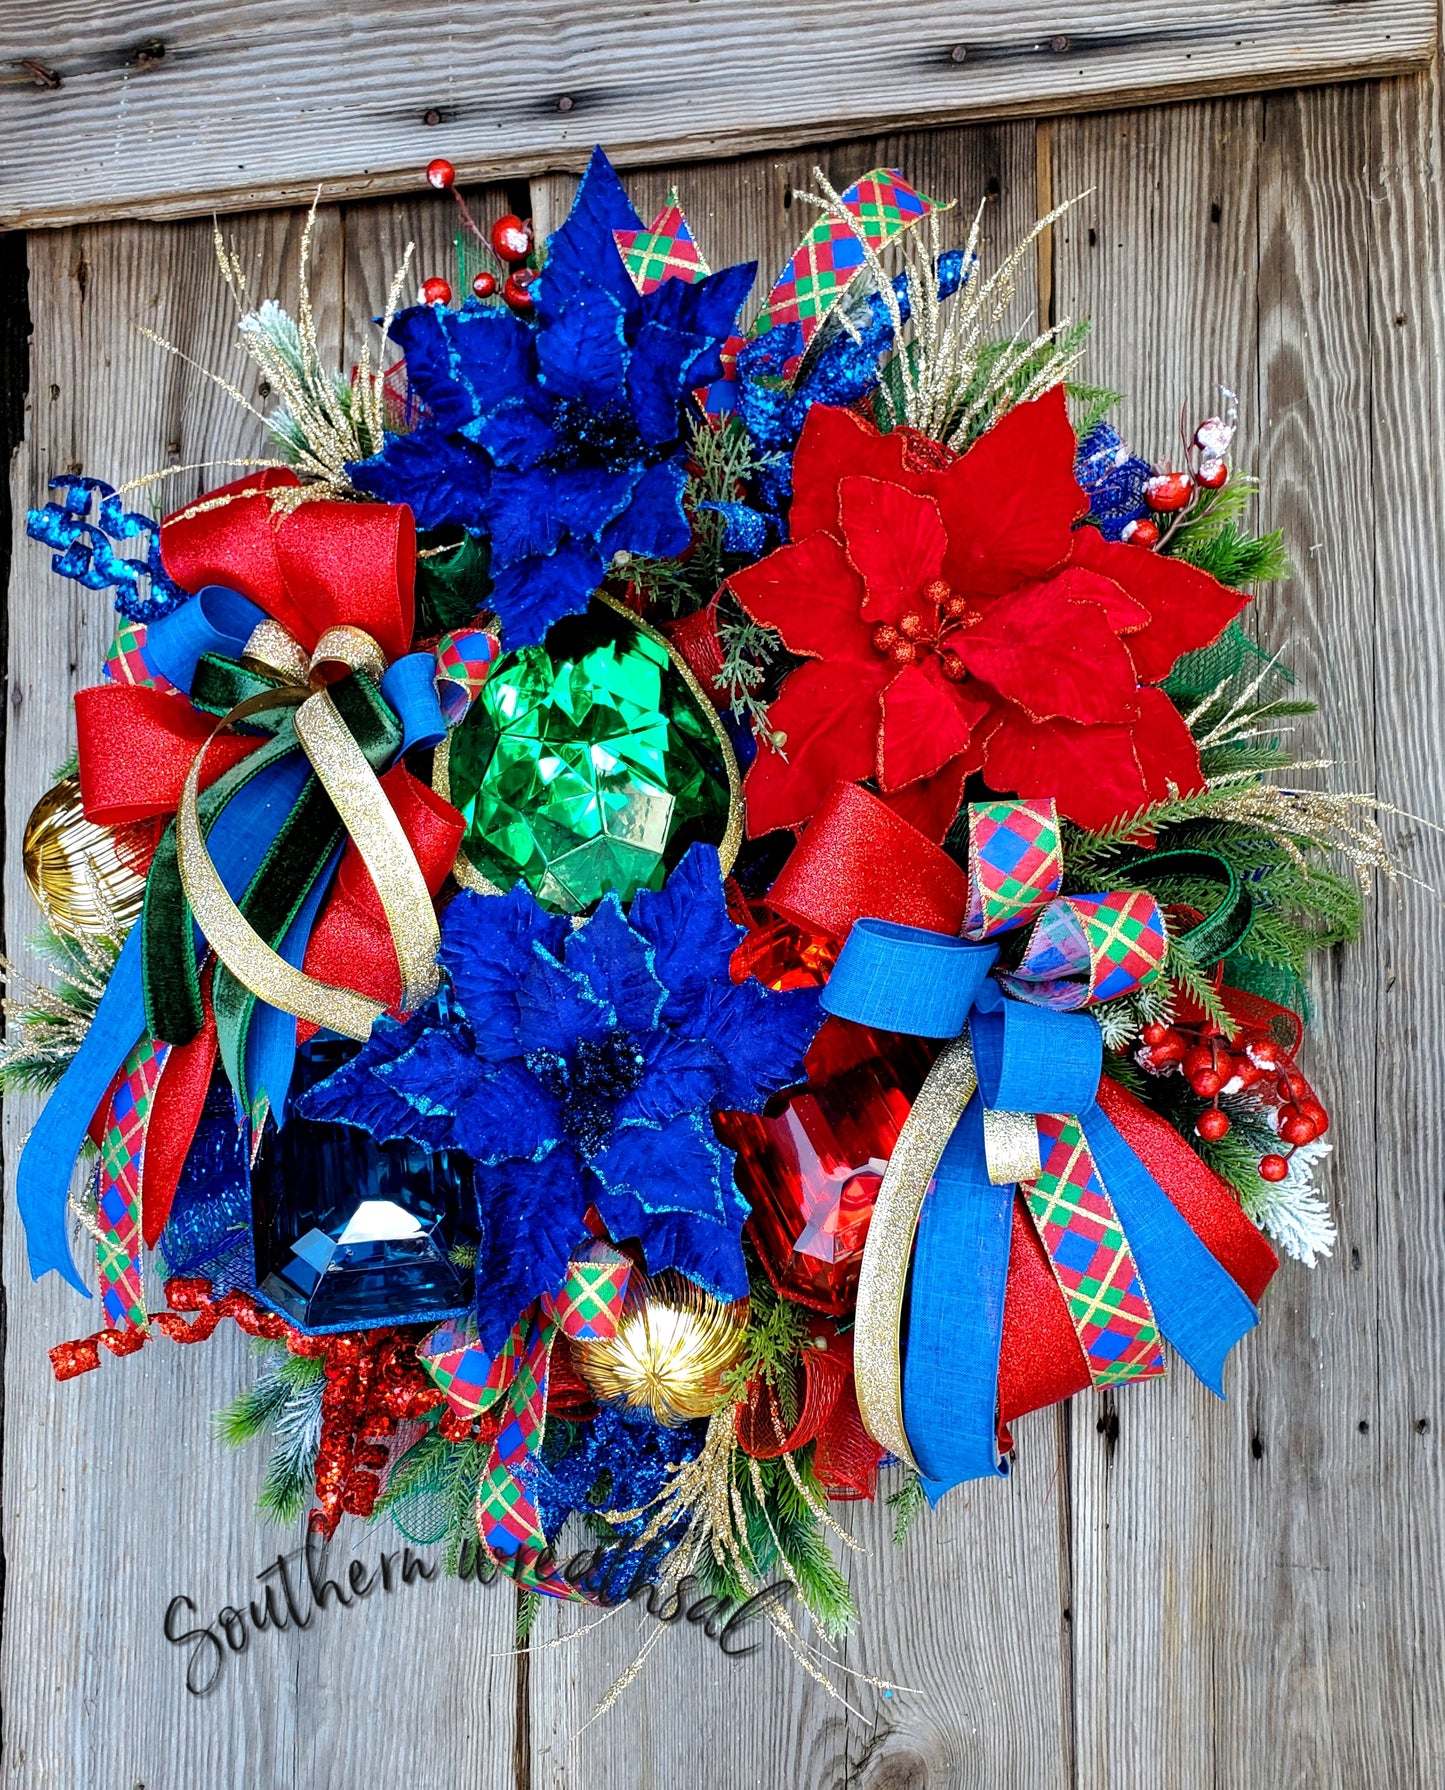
673	1345
75	871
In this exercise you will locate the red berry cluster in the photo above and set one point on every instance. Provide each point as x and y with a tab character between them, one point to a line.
1213	1067
510	240
1169	493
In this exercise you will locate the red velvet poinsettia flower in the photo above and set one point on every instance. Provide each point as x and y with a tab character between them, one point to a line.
953	617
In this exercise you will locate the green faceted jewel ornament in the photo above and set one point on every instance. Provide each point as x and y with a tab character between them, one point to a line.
590	763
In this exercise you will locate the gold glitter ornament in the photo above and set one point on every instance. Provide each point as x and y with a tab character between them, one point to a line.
79	880
673	1345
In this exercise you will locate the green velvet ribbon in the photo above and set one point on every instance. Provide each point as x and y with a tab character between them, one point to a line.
297	856
1223	930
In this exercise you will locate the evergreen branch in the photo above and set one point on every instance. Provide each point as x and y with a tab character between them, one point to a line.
907	1504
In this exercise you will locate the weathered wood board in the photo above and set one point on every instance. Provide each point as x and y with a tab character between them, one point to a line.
162	109
1170	1590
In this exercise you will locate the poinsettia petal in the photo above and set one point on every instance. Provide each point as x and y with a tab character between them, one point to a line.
617	964
812	596
1051	657
682	1074
687	925
830	716
1126	616
896	541
533	1215
506	1115
1097	775
833	444
1091	772
1010	503
1165	748
932	805
924	725
1188	609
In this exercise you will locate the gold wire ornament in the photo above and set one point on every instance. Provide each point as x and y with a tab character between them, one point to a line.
673	1345
80	882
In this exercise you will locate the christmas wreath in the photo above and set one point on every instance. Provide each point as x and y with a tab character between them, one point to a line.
681	919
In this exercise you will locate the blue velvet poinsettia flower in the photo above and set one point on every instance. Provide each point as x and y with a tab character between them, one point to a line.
580	1067
562	438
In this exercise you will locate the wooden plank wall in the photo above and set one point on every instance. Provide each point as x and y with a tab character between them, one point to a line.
163	108
1170	1591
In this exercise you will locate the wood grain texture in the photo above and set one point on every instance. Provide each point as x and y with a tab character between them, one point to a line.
1170	1590
159	108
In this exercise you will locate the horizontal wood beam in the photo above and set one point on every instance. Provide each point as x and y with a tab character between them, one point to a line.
131	108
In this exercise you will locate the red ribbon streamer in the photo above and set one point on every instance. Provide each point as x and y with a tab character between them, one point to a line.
351	943
846	1457
1040	1362
135	746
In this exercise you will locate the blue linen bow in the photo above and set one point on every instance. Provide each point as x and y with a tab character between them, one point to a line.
1029	1060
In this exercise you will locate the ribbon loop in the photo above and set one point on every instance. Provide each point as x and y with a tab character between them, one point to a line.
907	979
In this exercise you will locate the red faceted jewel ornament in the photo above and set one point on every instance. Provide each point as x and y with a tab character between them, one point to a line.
511	238
436	291
484	284
811	1163
440	173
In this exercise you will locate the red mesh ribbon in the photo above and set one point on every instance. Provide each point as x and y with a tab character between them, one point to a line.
846	1457
857	857
1041	1362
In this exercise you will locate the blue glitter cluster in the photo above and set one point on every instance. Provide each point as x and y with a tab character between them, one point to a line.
85	550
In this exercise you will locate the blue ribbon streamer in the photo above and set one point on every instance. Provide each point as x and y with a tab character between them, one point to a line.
1029	1059
238	842
410	686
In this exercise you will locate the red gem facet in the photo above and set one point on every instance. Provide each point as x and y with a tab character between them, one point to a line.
811	1172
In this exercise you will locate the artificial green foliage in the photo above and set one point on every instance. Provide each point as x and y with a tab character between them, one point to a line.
1211	537
285	1404
46	1023
772	1346
785	1539
721	462
907	1502
431	1494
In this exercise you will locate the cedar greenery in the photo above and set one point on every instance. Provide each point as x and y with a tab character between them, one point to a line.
285	1403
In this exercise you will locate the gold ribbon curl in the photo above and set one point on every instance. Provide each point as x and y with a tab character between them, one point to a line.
1011	1154
368	817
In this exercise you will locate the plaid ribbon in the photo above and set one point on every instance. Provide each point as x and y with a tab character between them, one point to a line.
1090	1257
125	663
668	251
828	257
1015	864
1091	948
464	662
588	1307
118	1237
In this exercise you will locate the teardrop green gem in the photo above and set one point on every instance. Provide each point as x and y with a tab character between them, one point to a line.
587	764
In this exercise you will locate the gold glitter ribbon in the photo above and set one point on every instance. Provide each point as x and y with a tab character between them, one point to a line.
888	1251
366	814
1011	1153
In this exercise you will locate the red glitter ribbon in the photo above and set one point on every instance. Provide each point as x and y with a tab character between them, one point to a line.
857	857
1041	1362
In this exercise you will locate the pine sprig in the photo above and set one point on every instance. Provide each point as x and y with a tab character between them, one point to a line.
907	1503
285	1403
